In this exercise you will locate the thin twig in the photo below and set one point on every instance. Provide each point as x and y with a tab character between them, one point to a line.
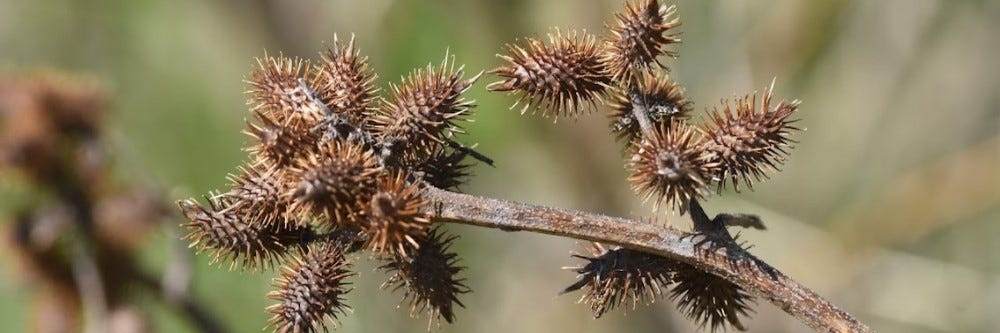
201	318
87	277
85	269
730	262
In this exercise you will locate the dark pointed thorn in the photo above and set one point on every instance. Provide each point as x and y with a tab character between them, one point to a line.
478	156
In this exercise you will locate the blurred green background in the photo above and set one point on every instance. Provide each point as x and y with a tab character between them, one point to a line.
889	205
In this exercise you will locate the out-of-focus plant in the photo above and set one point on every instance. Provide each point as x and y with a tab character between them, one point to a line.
76	239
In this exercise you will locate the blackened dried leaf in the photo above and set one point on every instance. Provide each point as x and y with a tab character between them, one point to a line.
710	300
428	277
620	276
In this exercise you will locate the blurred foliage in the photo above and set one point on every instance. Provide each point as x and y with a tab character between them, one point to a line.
888	205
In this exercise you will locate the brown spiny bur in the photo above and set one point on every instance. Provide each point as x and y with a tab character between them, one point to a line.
424	109
278	143
336	182
443	169
663	99
639	38
561	77
222	228
260	189
748	142
620	276
346	82
428	277
708	299
393	219
310	290
672	165
284	88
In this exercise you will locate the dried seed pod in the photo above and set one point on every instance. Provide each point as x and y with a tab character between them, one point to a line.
429	277
222	228
615	277
393	219
310	290
424	108
283	88
279	143
561	77
639	38
708	299
260	190
748	142
663	99
336	181
673	166
346	83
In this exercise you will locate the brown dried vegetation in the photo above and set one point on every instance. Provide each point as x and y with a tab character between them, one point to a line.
333	172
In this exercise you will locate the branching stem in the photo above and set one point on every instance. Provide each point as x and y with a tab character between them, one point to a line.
728	261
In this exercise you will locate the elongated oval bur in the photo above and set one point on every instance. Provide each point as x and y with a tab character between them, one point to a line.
424	110
310	290
224	228
561	77
282	87
347	83
749	141
260	189
639	39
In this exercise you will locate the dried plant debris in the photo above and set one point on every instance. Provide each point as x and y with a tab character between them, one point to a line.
337	166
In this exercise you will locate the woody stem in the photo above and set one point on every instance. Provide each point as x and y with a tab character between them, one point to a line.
728	261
